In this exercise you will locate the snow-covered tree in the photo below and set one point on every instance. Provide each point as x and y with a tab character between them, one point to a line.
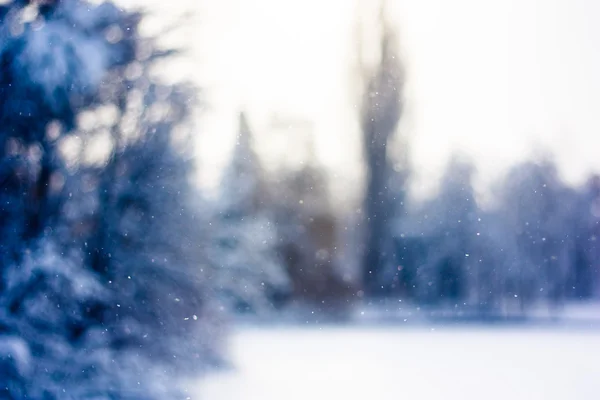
105	292
534	243
446	228
584	276
52	345
145	237
249	272
538	208
54	58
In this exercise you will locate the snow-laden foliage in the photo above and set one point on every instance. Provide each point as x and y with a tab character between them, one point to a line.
536	207
536	240
105	285
534	243
250	273
583	278
55	55
446	226
52	347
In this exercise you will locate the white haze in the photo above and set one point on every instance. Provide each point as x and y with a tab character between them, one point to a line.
498	80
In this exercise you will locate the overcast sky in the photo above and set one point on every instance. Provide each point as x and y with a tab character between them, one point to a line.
499	80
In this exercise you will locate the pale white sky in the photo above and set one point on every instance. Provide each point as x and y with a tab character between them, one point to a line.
496	79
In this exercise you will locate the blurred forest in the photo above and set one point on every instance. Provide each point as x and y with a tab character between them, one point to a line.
119	274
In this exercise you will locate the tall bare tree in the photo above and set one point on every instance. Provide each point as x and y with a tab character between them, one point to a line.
380	112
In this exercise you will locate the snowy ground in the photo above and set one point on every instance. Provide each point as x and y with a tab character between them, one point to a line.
381	363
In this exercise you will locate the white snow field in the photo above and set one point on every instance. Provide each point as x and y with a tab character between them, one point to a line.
385	363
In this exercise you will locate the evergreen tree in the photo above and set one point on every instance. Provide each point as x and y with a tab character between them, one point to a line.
103	293
583	281
54	58
538	208
446	228
250	273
